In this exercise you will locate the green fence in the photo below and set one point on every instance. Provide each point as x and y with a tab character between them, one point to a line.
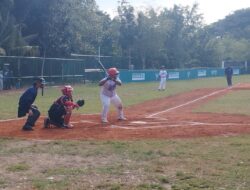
59	70
185	74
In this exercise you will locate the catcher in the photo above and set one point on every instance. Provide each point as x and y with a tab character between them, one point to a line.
61	110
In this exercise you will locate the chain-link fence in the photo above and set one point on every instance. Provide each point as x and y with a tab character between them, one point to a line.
18	71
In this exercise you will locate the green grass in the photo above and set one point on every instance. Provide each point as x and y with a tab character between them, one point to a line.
235	102
200	163
20	167
185	164
47	184
132	93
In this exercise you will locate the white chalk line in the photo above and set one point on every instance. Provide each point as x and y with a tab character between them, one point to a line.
14	119
187	103
153	116
91	114
177	125
23	118
84	121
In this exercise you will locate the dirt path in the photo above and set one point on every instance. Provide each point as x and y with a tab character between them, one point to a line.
169	117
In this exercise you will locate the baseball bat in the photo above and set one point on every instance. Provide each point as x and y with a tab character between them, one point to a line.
103	68
97	57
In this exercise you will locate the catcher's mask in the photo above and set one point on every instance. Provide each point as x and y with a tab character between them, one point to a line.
67	90
113	72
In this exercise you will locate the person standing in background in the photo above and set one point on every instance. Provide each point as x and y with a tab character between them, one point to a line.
229	74
163	74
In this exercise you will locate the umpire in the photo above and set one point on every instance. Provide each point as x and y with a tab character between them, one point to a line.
229	74
25	104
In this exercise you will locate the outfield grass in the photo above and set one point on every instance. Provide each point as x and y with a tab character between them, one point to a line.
132	93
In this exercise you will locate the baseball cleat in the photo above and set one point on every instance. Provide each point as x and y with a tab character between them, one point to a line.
122	119
46	123
27	128
67	126
104	121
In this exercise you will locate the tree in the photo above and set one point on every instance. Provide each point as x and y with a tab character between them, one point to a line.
10	33
127	28
149	42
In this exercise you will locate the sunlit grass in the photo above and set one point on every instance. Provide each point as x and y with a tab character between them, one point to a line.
130	93
236	102
200	163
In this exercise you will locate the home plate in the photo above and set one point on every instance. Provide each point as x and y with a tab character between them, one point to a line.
139	122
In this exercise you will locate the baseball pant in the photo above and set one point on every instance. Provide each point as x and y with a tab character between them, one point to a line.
32	118
162	85
106	101
56	114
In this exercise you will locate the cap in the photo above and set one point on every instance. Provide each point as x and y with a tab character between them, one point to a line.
39	79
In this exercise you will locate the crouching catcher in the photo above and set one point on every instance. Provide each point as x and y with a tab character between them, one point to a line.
61	110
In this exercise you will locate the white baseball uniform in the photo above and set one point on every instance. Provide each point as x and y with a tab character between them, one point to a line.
108	95
163	77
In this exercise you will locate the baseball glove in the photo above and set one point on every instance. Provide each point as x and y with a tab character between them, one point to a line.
80	103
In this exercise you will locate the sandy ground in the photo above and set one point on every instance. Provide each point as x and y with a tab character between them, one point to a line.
169	117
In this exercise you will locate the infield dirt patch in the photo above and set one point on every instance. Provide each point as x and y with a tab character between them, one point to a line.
169	117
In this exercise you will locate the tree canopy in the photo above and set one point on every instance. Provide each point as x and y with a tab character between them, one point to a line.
175	37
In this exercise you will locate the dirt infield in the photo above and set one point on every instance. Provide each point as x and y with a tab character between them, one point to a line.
169	117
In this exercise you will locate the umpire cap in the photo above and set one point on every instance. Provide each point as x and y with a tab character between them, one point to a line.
39	80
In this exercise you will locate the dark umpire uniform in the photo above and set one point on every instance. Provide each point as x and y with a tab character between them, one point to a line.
25	104
229	74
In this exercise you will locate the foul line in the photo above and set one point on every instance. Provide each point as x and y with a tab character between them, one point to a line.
187	103
14	119
176	125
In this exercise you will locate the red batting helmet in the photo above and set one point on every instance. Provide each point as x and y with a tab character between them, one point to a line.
113	72
67	90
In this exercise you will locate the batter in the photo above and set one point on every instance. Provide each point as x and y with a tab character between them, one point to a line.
109	96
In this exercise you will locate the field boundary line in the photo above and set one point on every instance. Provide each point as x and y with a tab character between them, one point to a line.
189	102
14	119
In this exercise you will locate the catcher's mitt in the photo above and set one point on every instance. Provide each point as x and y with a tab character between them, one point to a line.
80	103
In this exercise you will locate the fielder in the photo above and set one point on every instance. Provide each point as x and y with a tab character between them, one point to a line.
163	78
26	104
61	110
108	95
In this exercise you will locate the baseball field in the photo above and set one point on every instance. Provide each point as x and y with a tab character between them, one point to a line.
195	135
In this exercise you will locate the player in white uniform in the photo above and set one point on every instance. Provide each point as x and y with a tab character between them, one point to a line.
108	95
163	78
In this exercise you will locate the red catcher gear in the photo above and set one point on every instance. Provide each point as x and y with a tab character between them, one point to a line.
67	90
113	72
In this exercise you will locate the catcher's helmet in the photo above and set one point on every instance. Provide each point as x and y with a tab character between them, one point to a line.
113	72
67	90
